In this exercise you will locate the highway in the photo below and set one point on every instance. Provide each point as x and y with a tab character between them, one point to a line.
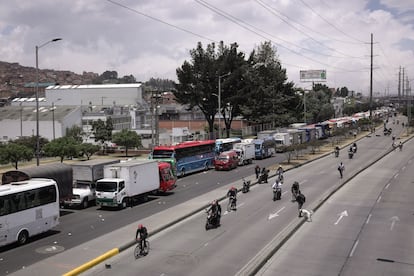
188	249
79	226
364	229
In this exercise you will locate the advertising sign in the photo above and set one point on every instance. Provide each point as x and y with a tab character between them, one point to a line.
313	75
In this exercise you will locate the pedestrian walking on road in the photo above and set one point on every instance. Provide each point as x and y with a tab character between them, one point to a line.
257	171
341	169
300	199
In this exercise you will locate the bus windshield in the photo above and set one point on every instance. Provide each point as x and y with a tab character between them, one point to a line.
156	154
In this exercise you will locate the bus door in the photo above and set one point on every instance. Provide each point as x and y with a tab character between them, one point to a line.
4	226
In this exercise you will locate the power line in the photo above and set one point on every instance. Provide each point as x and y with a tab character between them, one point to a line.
161	21
330	24
235	21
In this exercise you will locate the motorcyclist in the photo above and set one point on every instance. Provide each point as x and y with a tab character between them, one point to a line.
215	211
336	151
232	195
277	189
264	175
354	147
279	173
295	190
141	236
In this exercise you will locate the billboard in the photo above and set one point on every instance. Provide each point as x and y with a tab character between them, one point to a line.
313	75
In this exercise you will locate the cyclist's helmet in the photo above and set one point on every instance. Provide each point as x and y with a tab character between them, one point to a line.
296	183
140	226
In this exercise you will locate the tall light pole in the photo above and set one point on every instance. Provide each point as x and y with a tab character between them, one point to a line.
219	101
37	97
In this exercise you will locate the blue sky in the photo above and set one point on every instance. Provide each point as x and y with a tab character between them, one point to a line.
151	38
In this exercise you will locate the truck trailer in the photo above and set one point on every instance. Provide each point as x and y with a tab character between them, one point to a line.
59	172
245	151
126	181
85	175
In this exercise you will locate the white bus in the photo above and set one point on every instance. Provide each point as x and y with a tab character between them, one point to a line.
27	208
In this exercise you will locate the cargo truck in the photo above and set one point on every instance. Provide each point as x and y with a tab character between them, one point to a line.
85	175
282	139
130	180
59	172
245	151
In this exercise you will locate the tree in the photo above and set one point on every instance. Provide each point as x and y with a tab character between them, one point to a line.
76	133
30	141
271	99
87	149
14	153
197	82
62	147
102	131
127	139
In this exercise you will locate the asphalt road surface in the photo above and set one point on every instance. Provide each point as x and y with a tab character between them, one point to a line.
188	249
79	226
366	228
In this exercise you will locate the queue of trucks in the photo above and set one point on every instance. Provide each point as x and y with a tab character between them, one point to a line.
105	182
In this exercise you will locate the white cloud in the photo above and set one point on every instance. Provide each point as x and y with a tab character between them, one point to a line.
99	35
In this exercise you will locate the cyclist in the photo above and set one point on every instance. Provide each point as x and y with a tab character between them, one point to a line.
232	195
143	234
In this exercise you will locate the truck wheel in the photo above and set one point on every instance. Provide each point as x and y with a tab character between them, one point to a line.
23	237
206	167
182	173
124	203
85	203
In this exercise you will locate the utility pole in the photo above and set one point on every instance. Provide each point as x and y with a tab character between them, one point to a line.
402	83
399	83
370	84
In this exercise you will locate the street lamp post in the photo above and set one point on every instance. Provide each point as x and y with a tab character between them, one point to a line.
37	97
21	120
219	102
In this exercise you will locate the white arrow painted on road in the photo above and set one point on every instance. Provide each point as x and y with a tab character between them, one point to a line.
394	219
275	214
341	215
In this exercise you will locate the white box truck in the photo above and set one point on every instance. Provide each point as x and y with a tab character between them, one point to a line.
282	139
245	152
126	181
85	175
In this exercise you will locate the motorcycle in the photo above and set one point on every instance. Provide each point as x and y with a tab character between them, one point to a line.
231	206
263	177
246	186
277	194
336	152
350	154
212	221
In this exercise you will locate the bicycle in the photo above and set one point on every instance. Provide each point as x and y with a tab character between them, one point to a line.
141	253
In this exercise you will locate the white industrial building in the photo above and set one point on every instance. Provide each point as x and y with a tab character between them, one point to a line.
17	121
129	94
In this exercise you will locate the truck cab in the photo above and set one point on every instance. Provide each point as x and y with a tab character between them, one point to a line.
83	195
110	192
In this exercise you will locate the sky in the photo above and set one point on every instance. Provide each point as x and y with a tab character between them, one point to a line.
152	38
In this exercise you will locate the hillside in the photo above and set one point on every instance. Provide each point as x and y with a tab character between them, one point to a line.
18	80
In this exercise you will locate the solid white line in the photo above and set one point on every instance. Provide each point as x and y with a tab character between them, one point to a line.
369	217
353	248
378	200
388	185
